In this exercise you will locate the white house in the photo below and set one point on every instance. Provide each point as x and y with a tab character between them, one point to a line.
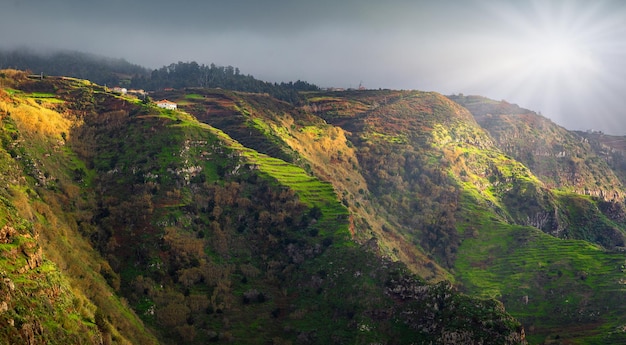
166	104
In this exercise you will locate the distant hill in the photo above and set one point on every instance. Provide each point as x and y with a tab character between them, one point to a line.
119	72
562	159
611	148
99	69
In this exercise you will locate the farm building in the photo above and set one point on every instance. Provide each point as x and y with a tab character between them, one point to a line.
166	104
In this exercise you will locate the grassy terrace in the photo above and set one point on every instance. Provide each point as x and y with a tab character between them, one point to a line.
554	286
311	191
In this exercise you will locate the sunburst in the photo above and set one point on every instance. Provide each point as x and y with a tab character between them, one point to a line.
554	57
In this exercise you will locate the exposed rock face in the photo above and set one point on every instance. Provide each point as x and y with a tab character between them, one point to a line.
6	234
34	256
31	331
439	313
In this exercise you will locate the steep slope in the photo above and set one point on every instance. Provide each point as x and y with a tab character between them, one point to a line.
54	288
300	137
446	186
417	152
563	160
249	220
207	240
425	184
560	158
293	250
611	148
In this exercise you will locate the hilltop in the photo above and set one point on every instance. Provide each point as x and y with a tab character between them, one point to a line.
121	73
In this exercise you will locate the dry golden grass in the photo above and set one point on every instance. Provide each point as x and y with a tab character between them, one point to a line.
31	117
10	77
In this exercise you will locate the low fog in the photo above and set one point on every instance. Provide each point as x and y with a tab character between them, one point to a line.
565	59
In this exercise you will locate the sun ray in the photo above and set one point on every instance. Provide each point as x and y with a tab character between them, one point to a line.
554	57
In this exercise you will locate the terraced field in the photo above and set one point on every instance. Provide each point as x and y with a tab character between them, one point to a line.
313	192
558	289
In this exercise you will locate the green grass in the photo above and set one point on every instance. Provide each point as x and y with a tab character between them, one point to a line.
41	95
193	96
12	92
47	97
566	282
70	270
311	191
393	139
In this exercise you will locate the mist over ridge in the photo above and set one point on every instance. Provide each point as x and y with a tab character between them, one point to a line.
561	58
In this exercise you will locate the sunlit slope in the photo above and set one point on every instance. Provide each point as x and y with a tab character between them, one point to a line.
321	149
610	148
417	152
562	159
479	212
56	288
559	289
243	210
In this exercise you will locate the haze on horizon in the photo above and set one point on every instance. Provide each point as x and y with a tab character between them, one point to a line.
562	58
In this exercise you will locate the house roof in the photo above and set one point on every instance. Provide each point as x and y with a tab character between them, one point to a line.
165	101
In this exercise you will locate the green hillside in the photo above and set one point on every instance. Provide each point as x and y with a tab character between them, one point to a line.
382	216
429	186
56	288
130	224
473	208
561	158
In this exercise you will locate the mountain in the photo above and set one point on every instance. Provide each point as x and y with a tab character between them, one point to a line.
563	160
487	218
364	216
611	148
127	223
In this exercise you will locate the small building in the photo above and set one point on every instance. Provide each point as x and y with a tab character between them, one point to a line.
121	90
166	104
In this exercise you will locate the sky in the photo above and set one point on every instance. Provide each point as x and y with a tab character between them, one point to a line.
565	59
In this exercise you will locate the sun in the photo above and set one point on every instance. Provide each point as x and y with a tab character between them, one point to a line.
550	56
557	56
550	53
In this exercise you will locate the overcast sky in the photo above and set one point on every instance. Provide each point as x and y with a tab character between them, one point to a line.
565	59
